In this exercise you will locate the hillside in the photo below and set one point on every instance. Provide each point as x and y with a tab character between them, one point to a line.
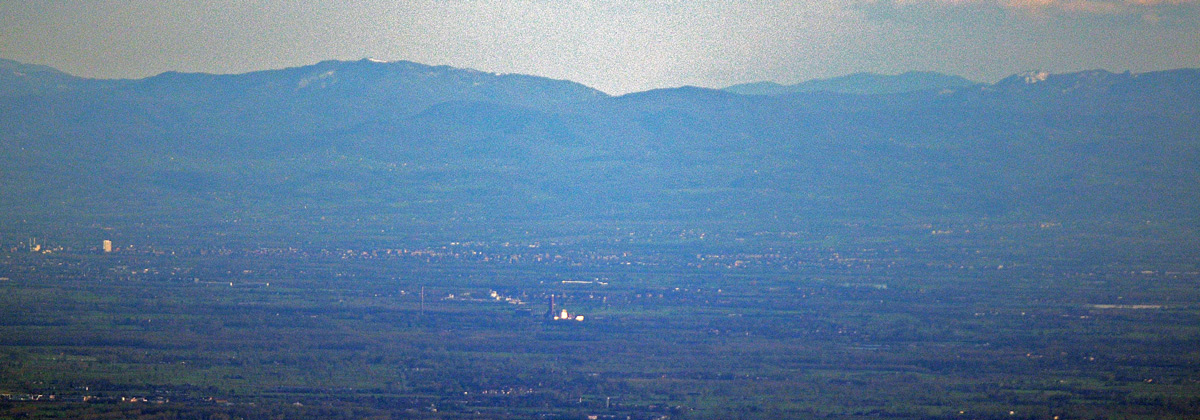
403	143
859	83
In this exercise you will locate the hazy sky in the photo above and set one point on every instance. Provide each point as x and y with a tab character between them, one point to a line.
616	46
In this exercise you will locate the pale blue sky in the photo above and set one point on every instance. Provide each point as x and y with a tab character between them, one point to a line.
616	46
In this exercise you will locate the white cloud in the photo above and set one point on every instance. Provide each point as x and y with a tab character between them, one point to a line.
1069	6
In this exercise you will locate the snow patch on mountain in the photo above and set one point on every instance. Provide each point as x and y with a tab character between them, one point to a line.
1035	76
324	79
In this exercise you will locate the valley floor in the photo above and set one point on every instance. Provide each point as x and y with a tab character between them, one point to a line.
941	324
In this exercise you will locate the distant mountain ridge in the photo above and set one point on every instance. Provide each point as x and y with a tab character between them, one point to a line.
410	85
408	143
859	83
17	79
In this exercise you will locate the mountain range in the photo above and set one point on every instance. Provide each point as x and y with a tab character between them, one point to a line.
859	83
401	143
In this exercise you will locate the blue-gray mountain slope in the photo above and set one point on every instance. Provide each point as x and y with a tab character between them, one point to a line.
417	144
859	83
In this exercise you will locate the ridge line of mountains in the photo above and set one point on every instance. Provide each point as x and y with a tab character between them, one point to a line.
31	79
408	142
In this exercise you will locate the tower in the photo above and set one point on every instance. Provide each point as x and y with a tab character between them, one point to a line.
550	312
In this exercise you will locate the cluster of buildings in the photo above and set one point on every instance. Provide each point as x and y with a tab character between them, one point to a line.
561	315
